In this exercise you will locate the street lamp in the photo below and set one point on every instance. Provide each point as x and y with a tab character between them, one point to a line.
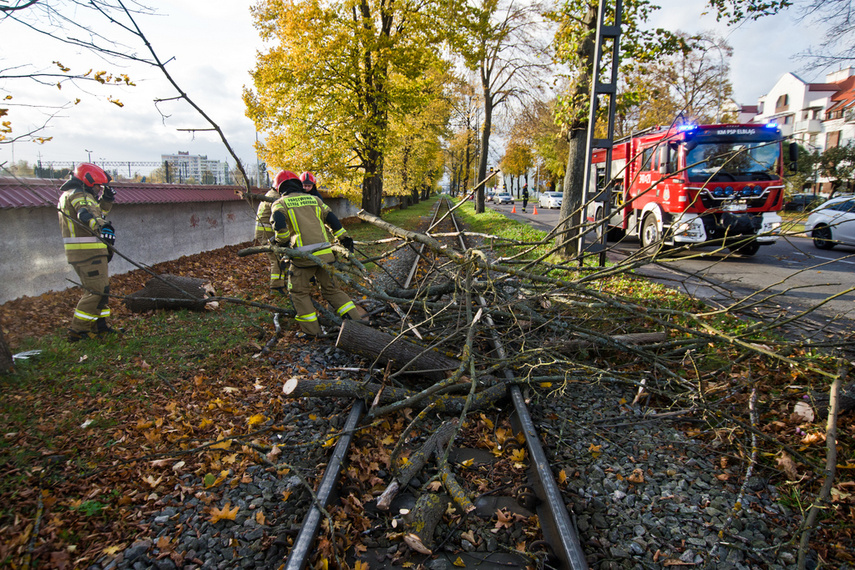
88	152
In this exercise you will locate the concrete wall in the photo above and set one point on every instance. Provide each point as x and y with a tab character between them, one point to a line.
32	258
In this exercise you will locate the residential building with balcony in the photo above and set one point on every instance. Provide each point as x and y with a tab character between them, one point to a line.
813	114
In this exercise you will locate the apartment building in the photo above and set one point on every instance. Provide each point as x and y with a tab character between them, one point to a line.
817	115
198	168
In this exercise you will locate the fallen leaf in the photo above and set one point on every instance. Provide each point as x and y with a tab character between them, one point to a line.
637	476
786	463
259	517
223	514
459	563
812	438
804	411
256	419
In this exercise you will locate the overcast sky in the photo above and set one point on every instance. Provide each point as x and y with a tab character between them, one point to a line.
214	43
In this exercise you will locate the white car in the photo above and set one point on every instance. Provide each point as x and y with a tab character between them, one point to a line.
832	223
503	198
551	200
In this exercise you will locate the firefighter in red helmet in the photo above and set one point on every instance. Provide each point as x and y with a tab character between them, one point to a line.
83	206
302	221
309	184
264	232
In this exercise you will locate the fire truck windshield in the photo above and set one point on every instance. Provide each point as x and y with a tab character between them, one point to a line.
734	161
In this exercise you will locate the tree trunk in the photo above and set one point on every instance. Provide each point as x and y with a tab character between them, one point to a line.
171	292
384	348
574	177
485	147
6	360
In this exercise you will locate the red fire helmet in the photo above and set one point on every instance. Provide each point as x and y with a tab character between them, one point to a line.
91	174
282	176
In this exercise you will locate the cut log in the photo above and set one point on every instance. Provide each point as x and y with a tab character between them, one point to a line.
446	403
6	360
385	348
432	446
171	292
422	522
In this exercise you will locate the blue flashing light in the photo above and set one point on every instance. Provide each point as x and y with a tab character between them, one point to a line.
771	125
686	127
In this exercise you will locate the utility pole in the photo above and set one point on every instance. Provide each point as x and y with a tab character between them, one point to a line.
608	89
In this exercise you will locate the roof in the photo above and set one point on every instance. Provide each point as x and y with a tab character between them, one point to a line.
845	97
41	192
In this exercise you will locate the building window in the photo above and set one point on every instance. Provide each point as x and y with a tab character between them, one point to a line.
783	103
832	139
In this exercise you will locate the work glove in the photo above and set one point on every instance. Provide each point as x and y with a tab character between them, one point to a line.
347	242
108	234
108	194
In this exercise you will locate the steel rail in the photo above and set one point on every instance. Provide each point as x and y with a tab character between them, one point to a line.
299	555
558	530
421	248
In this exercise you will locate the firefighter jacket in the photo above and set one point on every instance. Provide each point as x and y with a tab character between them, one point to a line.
81	217
263	227
300	220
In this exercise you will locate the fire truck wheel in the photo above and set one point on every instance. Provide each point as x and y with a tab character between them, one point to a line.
650	235
749	248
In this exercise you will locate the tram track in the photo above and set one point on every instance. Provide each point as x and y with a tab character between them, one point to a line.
558	545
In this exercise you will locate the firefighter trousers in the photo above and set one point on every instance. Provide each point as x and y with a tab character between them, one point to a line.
278	267
300	286
95	279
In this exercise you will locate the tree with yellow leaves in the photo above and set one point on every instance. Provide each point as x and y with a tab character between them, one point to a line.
337	78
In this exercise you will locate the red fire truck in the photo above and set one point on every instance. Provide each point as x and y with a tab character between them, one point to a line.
695	184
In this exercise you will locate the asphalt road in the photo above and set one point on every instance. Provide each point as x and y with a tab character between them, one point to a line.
781	280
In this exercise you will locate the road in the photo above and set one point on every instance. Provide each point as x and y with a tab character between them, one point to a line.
786	279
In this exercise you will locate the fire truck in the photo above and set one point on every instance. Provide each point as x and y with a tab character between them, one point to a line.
695	184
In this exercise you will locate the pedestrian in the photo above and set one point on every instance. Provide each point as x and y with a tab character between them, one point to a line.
303	222
524	196
264	233
83	207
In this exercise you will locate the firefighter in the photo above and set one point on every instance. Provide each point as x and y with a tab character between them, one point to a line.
309	184
524	196
300	221
86	234
264	233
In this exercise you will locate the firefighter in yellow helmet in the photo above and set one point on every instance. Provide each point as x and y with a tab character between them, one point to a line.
302	221
83	206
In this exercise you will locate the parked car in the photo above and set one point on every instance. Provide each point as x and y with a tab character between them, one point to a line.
832	223
503	198
551	200
802	202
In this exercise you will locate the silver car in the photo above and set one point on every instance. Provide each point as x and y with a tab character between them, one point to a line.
832	223
551	199
503	199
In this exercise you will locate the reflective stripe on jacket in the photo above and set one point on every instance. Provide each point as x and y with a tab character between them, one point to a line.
300	220
79	214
